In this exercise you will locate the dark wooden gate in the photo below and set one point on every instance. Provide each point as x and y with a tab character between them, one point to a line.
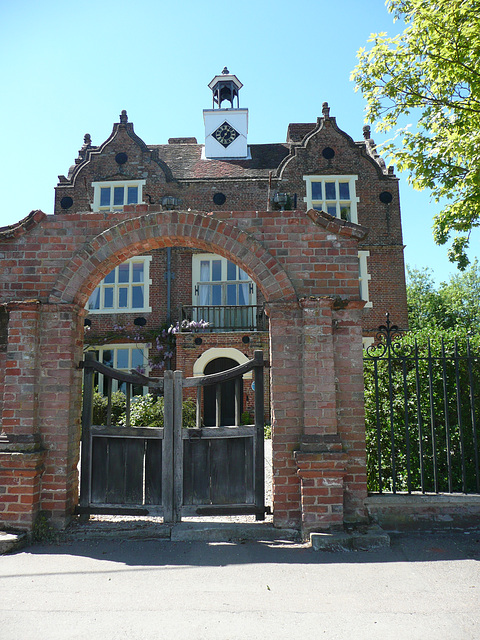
172	471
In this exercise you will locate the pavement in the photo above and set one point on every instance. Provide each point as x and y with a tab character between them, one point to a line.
421	586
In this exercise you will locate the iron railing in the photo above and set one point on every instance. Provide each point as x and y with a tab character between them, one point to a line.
422	413
227	317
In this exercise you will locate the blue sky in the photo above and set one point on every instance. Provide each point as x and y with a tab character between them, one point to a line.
70	68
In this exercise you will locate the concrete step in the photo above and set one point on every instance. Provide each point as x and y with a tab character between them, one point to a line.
181	532
11	541
366	538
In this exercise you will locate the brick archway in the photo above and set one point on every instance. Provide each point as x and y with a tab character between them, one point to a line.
171	228
306	266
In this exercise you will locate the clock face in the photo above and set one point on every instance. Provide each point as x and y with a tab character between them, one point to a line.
225	134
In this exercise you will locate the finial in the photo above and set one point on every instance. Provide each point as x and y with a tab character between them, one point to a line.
366	132
326	110
87	140
225	71
123	117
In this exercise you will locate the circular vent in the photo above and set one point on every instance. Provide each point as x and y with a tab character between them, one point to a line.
219	198
121	158
328	153
386	197
198	340
66	202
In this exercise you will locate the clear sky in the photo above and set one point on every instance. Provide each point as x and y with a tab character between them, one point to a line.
68	68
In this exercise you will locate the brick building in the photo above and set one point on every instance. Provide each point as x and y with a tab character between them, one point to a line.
319	167
292	247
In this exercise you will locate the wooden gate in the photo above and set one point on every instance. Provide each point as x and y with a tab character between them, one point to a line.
172	471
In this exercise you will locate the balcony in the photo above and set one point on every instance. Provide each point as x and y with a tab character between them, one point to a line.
227	317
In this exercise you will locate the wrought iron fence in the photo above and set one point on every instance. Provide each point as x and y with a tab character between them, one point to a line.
228	317
422	404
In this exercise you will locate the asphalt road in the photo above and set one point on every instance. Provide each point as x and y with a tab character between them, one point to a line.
424	586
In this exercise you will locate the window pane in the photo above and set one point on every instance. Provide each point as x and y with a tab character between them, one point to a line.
110	278
231	294
330	191
345	212
216	269
231	271
124	272
107	357
316	191
344	189
122	358
217	294
137	297
242	275
332	209
94	300
205	270
108	297
132	195
105	197
118	195
122	297
203	294
137	269
137	358
243	294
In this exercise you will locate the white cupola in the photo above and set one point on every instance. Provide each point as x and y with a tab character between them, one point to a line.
225	129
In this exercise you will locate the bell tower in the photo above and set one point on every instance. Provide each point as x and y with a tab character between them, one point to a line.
225	129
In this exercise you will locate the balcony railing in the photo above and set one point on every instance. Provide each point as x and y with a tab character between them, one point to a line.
228	317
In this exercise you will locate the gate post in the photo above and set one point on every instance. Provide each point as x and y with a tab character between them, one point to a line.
177	445
167	448
87	413
259	434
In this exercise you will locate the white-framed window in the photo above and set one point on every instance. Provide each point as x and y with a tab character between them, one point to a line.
217	281
114	195
222	293
333	194
364	277
124	357
125	289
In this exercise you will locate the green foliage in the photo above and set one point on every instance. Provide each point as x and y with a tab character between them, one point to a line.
453	304
418	422
430	74
42	530
267	431
246	418
145	411
100	407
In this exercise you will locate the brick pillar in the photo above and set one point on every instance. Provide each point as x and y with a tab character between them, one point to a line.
21	451
348	355
61	343
39	443
286	387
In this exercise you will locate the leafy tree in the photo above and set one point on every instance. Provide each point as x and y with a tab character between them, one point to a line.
431	72
408	418
455	304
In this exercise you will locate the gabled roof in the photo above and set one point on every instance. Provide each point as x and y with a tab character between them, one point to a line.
186	162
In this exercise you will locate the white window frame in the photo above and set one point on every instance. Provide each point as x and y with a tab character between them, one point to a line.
97	189
115	347
197	258
322	204
364	277
145	260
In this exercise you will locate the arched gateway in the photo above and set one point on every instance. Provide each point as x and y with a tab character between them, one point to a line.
306	266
